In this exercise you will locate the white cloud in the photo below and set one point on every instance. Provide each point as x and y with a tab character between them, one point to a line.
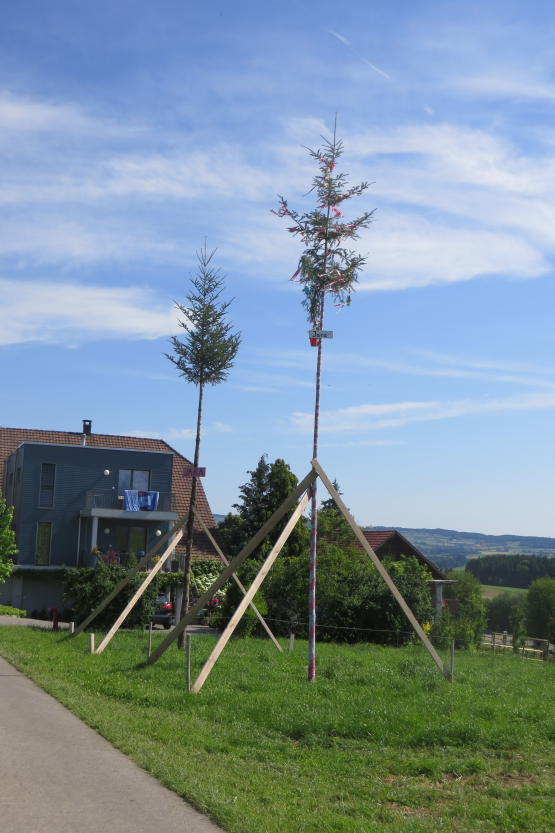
362	418
221	428
63	312
182	434
411	251
453	202
505	87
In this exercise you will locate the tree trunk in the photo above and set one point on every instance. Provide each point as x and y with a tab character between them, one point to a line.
190	524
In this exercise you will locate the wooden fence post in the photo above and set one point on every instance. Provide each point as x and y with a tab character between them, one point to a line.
71	627
291	641
493	643
149	638
91	642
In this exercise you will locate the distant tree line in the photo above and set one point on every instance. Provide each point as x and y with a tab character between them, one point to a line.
511	570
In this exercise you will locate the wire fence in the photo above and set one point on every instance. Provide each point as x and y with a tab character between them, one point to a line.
529	648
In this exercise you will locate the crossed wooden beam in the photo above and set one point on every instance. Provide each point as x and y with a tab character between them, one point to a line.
302	494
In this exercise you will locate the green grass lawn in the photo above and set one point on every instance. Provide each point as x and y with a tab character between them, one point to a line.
380	742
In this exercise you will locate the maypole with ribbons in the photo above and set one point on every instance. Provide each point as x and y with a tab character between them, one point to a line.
325	267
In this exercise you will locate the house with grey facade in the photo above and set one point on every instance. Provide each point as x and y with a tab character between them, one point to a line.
80	497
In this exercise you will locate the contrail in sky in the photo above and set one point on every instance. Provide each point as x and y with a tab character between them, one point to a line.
348	43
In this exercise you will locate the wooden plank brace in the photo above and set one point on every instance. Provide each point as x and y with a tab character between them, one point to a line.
234	565
133	572
249	595
236	579
381	569
125	612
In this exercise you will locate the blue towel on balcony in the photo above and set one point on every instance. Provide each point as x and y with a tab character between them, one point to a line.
148	501
131	500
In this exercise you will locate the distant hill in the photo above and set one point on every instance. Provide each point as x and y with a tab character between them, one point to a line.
218	518
450	548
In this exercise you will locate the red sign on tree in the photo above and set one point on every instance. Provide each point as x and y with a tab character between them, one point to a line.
194	471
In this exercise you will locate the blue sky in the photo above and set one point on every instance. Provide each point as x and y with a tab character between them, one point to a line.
129	131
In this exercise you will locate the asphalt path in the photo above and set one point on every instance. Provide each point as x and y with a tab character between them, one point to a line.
57	774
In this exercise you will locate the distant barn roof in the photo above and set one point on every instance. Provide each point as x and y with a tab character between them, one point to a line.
11	438
390	542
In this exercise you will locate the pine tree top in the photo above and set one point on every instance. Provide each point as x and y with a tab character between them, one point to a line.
206	355
327	265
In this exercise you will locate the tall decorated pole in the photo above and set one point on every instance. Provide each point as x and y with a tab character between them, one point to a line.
325	267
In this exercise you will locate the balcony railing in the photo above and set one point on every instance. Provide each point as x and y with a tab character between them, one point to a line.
109	499
115	559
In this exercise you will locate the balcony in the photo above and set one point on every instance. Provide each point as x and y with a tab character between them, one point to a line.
109	499
112	558
106	503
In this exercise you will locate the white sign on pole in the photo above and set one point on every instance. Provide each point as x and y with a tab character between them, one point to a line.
320	333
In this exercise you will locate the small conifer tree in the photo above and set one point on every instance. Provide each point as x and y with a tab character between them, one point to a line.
204	357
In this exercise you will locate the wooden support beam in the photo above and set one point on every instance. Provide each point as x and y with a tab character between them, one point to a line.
133	572
236	579
287	504
125	612
381	569
249	595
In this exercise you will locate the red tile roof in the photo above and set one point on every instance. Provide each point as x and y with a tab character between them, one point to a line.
384	541
11	438
377	537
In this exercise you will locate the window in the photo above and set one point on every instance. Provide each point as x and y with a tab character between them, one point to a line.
46	494
133	479
18	475
130	538
44	535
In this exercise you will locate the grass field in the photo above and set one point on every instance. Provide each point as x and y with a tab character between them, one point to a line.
380	742
490	591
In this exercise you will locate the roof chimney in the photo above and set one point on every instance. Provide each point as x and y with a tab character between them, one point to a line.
87	427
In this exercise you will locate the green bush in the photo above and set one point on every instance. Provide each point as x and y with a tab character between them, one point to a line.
540	609
470	622
517	622
89	587
353	602
498	610
6	610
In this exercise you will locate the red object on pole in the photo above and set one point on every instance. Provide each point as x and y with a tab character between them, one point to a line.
314	342
54	612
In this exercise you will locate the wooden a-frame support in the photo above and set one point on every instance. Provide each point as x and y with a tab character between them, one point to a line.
233	566
304	486
381	569
261	575
129	607
236	580
133	572
177	530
